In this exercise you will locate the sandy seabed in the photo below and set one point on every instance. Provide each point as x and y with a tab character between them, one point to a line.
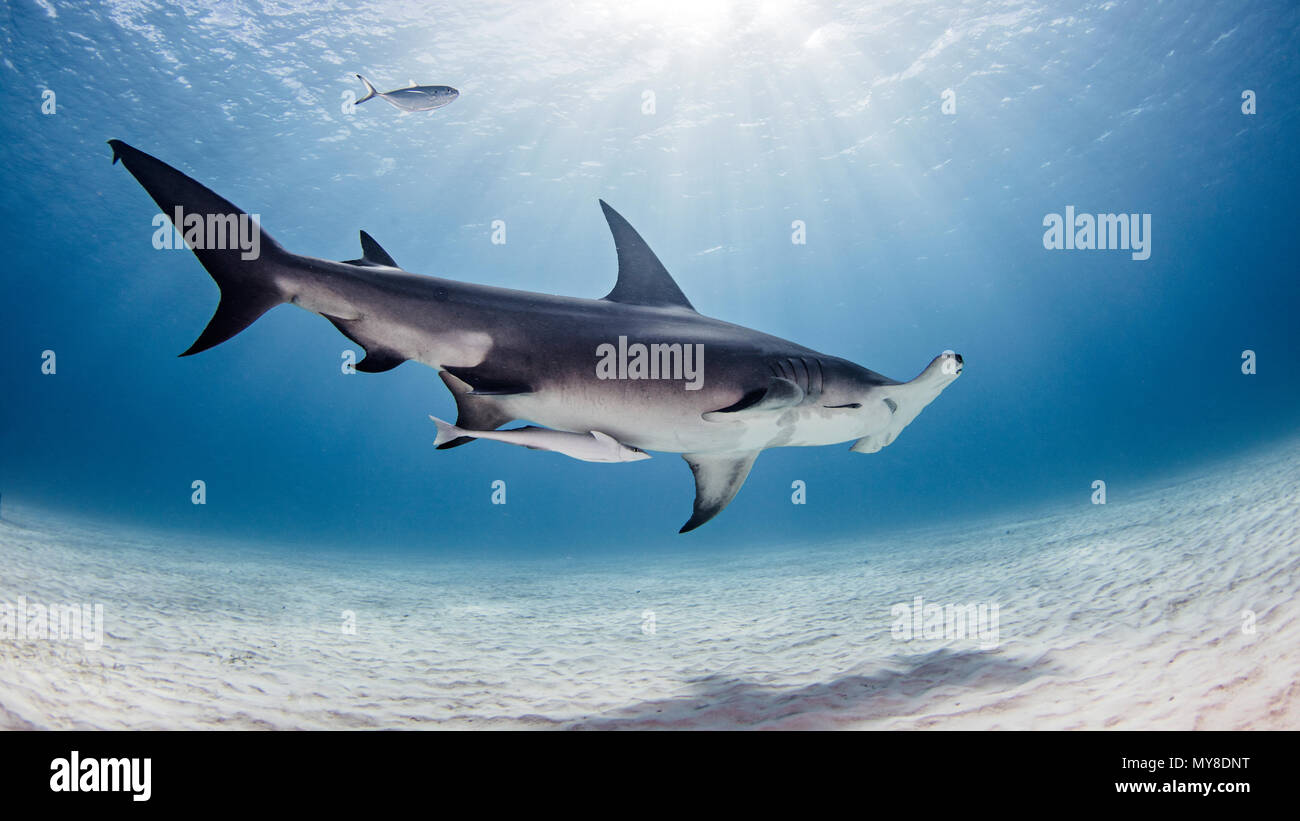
1129	615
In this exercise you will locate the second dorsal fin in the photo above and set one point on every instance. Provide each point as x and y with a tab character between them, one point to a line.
372	253
642	278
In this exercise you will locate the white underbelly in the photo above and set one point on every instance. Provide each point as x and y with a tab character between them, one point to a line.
675	430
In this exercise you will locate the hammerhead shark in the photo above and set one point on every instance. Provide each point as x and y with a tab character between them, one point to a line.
640	365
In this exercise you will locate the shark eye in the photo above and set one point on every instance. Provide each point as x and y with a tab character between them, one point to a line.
849	405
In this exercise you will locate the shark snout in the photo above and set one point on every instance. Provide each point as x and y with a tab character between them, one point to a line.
943	369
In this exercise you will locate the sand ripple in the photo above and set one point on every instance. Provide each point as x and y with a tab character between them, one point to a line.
1127	615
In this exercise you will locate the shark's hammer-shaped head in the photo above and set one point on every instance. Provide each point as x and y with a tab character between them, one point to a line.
884	409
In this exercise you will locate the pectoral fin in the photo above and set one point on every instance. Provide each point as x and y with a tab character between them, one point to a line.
718	477
778	394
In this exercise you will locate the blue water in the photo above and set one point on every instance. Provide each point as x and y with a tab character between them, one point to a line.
924	233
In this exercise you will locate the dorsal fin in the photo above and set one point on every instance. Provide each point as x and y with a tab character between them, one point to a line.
642	278
372	254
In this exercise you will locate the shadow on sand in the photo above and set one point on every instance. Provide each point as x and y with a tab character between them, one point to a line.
722	702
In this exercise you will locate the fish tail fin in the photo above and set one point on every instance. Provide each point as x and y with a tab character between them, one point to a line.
370	90
447	432
241	258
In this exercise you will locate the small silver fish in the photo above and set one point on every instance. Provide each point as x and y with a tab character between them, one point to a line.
412	98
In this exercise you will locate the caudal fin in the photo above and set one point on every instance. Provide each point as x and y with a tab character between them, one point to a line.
370	90
447	432
230	243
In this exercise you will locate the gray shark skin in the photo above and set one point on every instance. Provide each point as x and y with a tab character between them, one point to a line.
517	355
412	98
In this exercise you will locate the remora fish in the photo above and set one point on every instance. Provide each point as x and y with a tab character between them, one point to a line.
412	98
508	354
588	447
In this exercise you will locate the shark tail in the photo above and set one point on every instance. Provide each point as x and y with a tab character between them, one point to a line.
237	253
447	432
370	90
